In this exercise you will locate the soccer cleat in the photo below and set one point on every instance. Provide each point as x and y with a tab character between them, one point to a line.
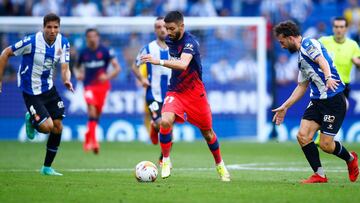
353	168
223	172
30	131
154	134
315	178
166	168
49	171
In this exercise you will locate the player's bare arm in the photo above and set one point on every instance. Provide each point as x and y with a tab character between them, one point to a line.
144	81
330	82
180	64
4	57
66	76
297	94
356	62
117	68
79	72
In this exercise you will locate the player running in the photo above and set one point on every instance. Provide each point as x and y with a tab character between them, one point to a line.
186	92
92	68
41	53
157	77
327	108
344	52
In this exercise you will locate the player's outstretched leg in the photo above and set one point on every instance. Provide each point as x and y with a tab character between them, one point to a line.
214	147
30	130
165	143
154	133
51	150
312	155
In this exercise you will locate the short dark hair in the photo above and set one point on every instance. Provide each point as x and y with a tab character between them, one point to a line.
340	18
174	17
160	18
91	30
51	17
287	28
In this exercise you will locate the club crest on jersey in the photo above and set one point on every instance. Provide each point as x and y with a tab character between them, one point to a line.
59	52
189	46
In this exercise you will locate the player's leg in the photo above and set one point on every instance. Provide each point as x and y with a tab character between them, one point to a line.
154	108
334	114
328	145
37	116
90	135
52	148
305	139
214	147
55	107
166	125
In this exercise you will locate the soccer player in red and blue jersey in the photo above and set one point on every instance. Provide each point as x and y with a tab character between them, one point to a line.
92	67
186	92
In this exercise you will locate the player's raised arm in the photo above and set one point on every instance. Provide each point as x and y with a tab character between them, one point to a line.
4	57
180	64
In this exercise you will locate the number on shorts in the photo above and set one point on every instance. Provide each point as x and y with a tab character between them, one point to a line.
168	99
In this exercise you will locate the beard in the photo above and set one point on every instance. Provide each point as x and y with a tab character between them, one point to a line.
292	49
176	37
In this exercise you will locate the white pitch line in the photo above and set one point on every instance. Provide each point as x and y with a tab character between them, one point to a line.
271	166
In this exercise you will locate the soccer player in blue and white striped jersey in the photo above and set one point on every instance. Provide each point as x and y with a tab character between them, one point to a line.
41	53
327	108
156	79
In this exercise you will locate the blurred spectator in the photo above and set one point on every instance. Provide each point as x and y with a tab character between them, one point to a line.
22	7
221	71
175	5
286	69
316	32
246	69
86	9
6	8
299	10
130	52
118	7
44	7
250	7
352	15
203	8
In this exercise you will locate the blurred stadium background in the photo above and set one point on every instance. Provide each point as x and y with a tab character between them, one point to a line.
231	64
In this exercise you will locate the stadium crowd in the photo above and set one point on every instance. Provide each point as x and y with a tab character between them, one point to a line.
314	17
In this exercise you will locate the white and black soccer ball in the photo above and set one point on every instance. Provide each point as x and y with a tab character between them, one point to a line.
146	171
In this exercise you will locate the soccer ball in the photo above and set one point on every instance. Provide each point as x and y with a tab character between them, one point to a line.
146	171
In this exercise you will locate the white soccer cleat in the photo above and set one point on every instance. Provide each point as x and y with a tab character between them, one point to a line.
223	172
166	168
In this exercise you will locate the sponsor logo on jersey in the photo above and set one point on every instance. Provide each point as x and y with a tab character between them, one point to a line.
329	118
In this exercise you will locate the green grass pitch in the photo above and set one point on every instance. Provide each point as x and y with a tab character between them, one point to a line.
267	172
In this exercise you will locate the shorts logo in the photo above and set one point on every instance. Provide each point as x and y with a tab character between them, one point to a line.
329	118
60	104
310	104
32	110
330	127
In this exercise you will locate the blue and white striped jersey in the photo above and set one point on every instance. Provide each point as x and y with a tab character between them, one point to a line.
158	76
311	71
39	61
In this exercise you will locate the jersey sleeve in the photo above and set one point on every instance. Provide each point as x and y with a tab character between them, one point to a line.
65	56
143	51
23	46
302	77
190	47
356	49
311	48
111	52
